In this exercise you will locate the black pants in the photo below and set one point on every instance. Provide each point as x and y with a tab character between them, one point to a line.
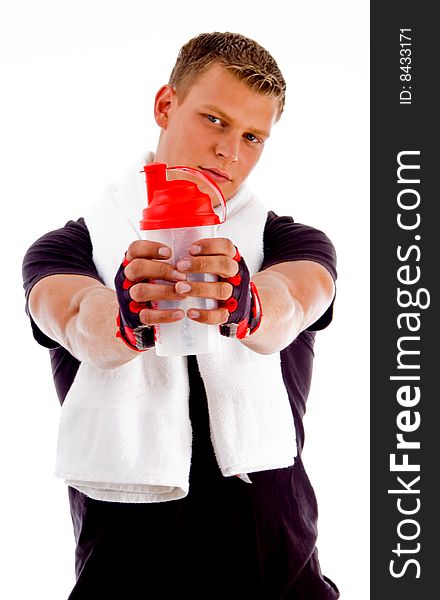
187	548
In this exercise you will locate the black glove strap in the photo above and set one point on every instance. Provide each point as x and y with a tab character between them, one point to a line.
244	305
131	330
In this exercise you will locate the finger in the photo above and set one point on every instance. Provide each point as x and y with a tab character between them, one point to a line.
220	290
218	265
143	292
141	268
213	246
216	316
151	316
147	249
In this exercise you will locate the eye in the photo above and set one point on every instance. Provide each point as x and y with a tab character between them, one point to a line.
214	120
250	137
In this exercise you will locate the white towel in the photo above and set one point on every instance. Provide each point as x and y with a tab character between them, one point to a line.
125	433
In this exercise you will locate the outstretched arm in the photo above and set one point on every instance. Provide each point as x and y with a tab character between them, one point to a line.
80	313
293	294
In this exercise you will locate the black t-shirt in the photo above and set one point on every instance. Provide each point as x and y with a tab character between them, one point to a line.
226	537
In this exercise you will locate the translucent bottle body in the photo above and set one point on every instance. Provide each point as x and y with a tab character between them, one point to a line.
184	337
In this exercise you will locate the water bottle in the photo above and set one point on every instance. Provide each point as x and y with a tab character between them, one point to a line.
179	212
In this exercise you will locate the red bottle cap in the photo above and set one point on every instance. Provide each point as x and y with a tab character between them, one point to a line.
180	202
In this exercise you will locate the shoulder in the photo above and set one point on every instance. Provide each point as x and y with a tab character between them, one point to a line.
72	232
67	250
74	235
285	240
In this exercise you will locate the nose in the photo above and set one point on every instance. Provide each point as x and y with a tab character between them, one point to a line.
228	147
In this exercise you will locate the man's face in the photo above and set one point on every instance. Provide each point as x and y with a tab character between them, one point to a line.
219	127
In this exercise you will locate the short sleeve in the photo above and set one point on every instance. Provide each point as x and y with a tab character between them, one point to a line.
285	240
67	250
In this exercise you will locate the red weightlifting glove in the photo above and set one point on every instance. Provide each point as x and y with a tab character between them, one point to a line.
131	330
244	305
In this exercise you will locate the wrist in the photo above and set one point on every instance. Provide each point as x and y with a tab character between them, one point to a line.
250	323
130	329
256	314
140	338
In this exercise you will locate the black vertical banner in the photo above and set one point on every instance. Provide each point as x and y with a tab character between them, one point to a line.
405	253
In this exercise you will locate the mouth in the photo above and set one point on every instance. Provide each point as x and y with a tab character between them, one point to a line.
217	174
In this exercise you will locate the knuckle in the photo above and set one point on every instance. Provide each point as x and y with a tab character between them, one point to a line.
233	268
139	292
134	294
211	317
132	250
145	316
227	264
202	265
205	290
225	290
230	248
217	316
166	316
152	316
224	316
129	272
132	271
211	245
165	292
164	270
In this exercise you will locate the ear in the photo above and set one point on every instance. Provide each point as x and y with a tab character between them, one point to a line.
162	104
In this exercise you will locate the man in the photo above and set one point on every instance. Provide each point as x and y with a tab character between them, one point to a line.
251	536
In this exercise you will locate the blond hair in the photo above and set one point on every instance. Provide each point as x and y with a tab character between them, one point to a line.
244	58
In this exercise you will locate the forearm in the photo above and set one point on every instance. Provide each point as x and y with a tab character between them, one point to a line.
79	313
293	296
90	333
283	315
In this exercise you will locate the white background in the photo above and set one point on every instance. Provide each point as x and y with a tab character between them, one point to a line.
78	81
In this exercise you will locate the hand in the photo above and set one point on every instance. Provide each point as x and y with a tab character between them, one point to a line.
239	313
214	256
144	262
